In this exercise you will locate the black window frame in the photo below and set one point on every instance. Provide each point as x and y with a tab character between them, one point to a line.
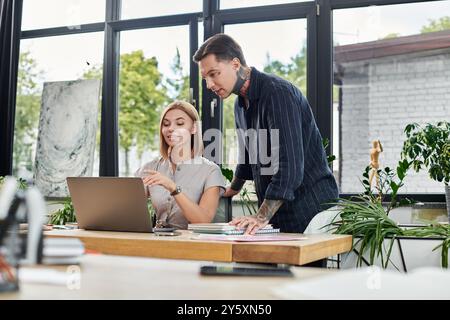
112	26
351	4
319	15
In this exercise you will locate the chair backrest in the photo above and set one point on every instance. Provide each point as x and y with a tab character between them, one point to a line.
320	222
224	212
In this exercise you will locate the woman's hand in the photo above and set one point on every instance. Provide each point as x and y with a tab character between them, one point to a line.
156	178
250	223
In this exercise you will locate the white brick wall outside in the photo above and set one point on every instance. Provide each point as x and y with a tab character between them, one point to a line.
380	97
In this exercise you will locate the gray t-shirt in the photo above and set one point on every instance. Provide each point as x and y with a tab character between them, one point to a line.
194	176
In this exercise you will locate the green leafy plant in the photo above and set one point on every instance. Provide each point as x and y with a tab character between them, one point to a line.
227	173
332	157
248	206
151	209
367	221
23	185
389	183
429	147
64	215
366	217
369	224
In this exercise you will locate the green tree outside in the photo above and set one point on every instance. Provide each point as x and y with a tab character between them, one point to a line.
440	24
178	86
142	97
144	93
294	71
434	25
392	35
28	102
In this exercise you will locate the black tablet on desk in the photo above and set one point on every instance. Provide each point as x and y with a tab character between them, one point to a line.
246	271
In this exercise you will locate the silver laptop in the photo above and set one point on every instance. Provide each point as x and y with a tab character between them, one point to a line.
110	203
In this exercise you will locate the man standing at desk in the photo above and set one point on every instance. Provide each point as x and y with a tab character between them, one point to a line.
290	193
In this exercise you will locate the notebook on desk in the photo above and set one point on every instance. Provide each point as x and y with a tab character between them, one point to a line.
62	251
110	203
248	238
226	229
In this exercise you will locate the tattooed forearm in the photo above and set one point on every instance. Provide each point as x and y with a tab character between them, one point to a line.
268	209
237	184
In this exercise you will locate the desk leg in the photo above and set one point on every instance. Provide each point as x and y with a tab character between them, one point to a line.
317	264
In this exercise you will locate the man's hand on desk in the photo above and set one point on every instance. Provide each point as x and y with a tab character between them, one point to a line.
251	223
261	219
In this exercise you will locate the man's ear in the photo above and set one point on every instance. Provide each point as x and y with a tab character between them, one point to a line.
236	63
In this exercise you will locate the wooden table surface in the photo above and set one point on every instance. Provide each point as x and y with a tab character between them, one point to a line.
298	252
118	277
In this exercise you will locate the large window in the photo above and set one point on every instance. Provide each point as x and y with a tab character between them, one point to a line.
230	4
56	13
154	70
146	8
392	68
46	60
282	55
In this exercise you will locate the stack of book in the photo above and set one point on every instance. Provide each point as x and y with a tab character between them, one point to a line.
226	229
62	251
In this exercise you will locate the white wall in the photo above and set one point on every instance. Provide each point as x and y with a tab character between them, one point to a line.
380	97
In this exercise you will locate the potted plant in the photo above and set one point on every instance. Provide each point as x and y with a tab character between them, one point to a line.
366	218
64	215
429	147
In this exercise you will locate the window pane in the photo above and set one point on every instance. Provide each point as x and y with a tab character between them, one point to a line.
200	41
144	8
151	76
44	60
56	13
284	56
392	68
230	4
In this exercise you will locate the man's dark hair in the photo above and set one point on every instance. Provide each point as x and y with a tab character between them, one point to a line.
221	45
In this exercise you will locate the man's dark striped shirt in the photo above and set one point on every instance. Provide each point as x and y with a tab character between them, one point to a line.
303	180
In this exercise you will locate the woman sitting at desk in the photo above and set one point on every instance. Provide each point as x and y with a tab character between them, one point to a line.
184	187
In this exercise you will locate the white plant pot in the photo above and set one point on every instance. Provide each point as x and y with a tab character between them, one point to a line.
416	252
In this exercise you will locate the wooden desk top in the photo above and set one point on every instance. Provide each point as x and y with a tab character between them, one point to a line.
114	277
315	247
